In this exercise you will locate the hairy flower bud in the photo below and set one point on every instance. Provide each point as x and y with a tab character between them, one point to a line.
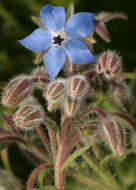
71	106
28	116
55	90
78	86
113	134
109	63
99	23
15	92
40	72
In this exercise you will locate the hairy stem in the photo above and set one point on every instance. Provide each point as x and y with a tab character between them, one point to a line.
44	139
27	146
59	174
73	142
9	123
53	144
34	174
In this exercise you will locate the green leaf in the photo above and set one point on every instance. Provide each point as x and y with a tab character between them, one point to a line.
73	156
105	161
47	188
112	158
44	177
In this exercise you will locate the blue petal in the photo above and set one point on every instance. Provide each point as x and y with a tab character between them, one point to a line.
78	52
54	60
53	18
38	41
80	25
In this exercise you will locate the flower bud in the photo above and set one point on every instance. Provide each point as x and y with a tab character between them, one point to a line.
113	134
28	116
40	72
9	182
71	106
55	90
18	89
100	23
109	64
78	86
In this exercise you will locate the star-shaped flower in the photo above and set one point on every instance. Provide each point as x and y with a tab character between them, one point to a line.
61	38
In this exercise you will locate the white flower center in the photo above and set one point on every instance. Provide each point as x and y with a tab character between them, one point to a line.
59	38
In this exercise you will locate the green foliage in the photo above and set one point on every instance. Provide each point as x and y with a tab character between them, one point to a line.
73	156
47	188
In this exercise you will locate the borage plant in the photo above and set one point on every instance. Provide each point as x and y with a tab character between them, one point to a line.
81	128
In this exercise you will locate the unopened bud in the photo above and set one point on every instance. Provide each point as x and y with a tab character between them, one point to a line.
113	134
40	72
28	116
78	86
55	90
15	92
109	64
71	106
99	23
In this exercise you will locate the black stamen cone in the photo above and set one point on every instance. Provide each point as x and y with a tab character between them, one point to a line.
58	40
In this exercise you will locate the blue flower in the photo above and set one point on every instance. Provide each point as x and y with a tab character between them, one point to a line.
61	38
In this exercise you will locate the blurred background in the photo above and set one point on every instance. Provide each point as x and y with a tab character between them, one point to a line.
16	23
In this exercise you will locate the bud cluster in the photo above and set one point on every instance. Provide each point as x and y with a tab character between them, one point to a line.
66	94
109	63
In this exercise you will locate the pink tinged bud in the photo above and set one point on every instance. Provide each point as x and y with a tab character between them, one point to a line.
40	72
55	90
71	106
28	117
101	30
99	21
109	63
16	91
78	86
113	134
